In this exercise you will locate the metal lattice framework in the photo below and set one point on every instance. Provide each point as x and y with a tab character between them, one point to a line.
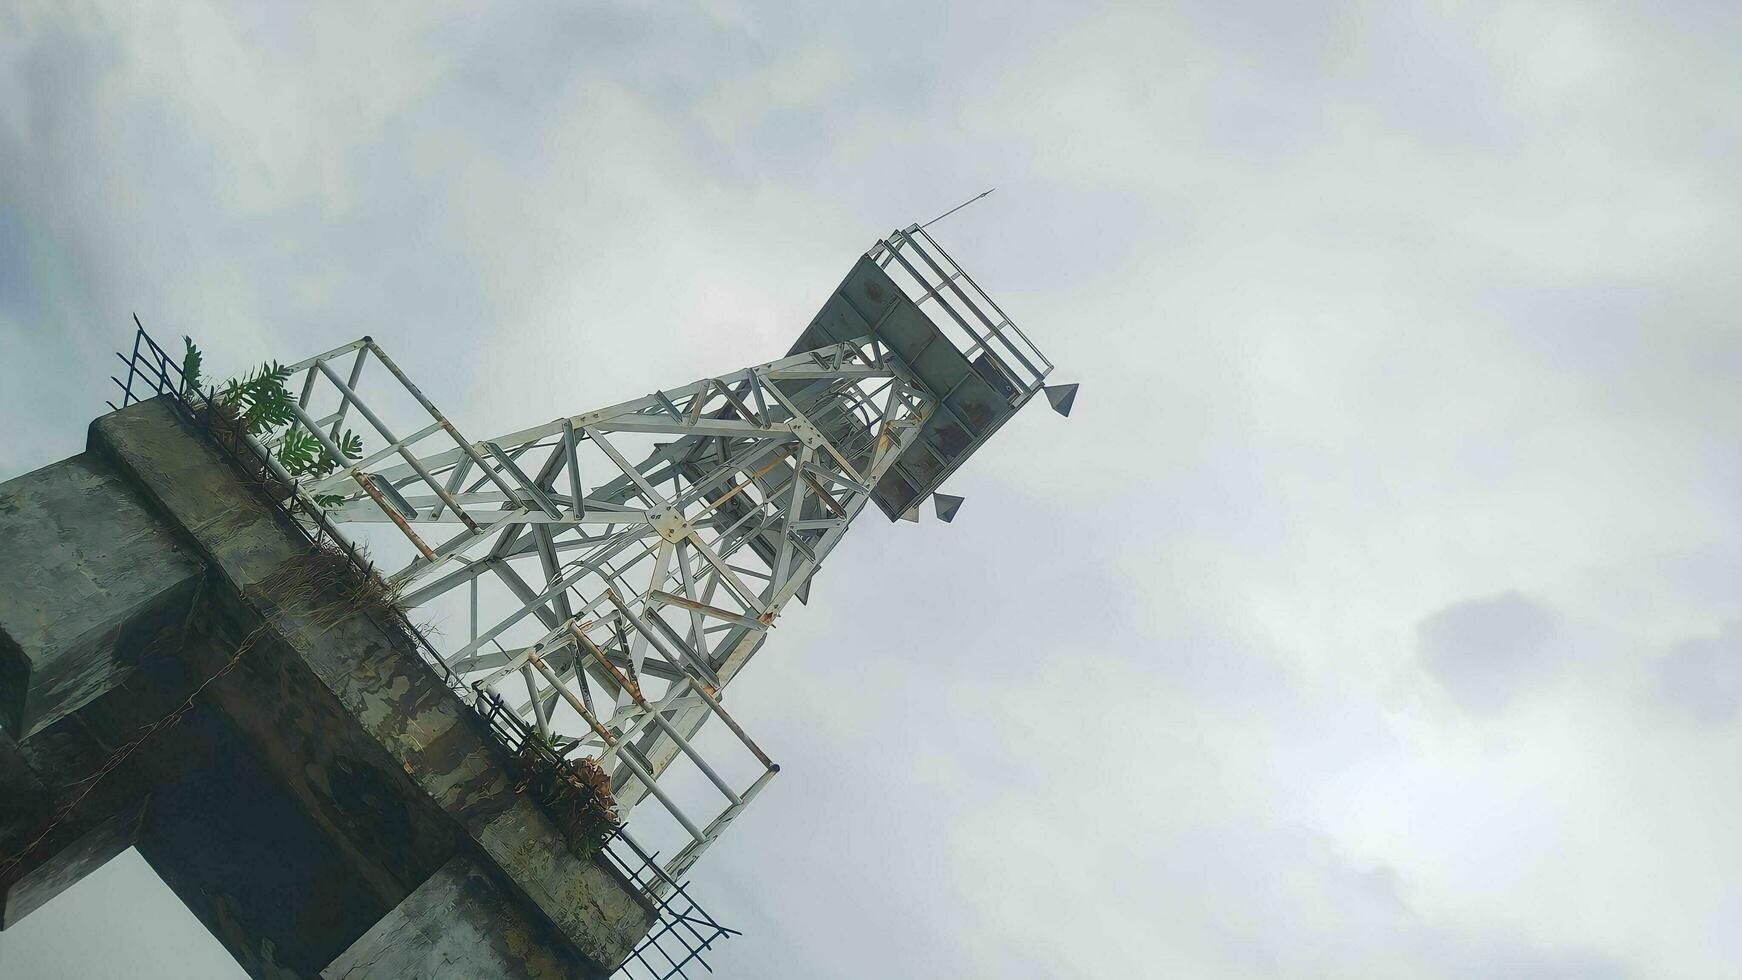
616	569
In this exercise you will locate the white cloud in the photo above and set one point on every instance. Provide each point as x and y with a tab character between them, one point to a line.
1378	308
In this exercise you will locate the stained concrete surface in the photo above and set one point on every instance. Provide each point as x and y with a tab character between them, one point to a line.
85	569
318	791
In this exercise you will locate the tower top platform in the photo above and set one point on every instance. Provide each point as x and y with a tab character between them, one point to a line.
909	297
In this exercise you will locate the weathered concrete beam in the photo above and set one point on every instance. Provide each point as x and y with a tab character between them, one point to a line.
87	572
326	785
45	846
384	710
458	925
71	849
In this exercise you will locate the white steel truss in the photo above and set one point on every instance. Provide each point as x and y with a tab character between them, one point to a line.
616	569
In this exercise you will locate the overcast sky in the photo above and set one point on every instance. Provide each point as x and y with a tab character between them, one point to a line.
1377	613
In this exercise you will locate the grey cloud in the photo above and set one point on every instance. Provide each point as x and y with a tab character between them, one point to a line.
1295	906
1487	651
1515	958
1365	299
1703	676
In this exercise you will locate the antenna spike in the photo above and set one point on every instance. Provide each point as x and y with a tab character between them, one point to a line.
958	207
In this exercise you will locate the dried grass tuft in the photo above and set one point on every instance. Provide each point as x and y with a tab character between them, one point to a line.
326	580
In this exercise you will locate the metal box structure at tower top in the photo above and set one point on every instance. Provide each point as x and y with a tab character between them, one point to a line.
606	575
977	378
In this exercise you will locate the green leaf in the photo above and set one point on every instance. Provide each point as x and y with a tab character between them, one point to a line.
261	398
191	362
265	406
299	452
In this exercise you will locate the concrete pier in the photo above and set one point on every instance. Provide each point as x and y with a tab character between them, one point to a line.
325	805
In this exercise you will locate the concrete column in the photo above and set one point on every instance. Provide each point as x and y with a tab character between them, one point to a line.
88	575
39	857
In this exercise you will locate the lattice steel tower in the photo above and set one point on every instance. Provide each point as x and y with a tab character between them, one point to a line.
617	569
310	774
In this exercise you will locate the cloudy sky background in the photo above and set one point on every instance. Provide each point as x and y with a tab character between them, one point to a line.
1377	613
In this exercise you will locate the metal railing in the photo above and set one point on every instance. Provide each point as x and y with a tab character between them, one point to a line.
928	274
682	930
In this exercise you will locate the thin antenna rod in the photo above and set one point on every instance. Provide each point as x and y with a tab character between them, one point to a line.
958	207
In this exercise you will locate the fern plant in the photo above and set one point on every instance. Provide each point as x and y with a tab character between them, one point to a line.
191	362
260	401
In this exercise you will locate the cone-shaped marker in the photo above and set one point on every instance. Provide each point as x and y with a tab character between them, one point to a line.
947	506
1061	397
911	514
